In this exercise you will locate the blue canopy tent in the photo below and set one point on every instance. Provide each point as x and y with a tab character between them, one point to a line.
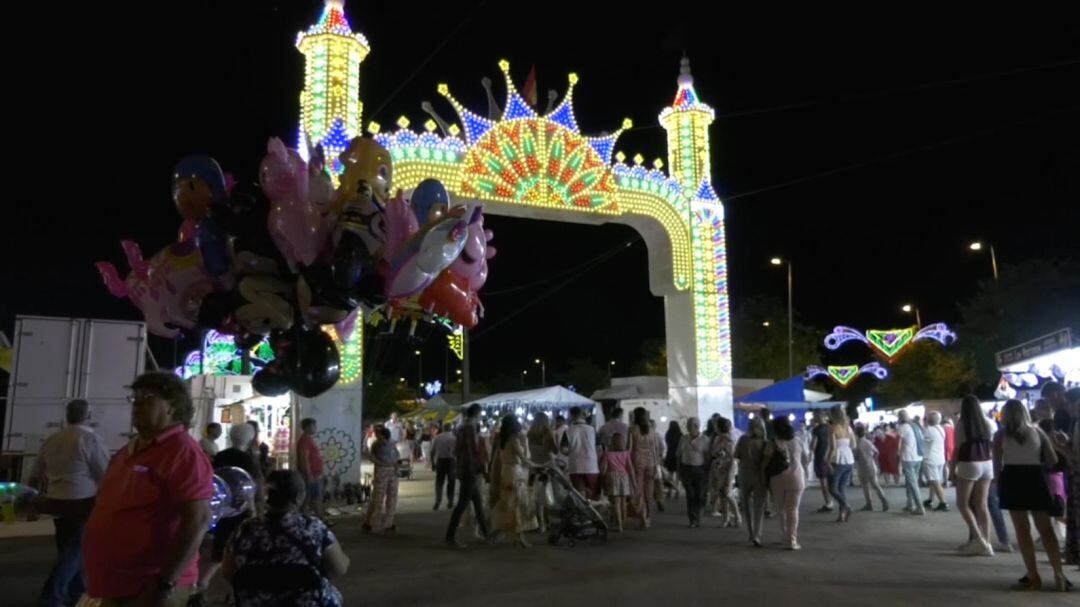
787	397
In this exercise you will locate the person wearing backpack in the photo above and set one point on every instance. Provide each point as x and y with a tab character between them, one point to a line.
911	456
784	461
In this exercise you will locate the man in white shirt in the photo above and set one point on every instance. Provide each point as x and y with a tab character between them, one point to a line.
396	428
209	442
614	426
934	462
692	457
910	461
73	461
582	465
442	462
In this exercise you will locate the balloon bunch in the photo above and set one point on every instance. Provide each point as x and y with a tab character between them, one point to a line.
294	254
233	493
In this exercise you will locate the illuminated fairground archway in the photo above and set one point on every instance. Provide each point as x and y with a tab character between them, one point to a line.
524	164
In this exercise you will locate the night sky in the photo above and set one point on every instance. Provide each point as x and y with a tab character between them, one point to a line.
868	147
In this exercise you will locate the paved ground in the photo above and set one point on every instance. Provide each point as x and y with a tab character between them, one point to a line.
876	559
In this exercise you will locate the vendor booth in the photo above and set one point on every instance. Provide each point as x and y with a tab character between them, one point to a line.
1025	368
787	397
552	401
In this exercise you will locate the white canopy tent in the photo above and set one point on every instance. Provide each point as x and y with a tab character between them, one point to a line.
553	400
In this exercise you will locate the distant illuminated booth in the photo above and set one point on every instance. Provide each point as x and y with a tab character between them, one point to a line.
787	397
1026	368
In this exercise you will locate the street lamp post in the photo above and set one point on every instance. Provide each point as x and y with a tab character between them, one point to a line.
907	309
419	369
523	374
978	246
543	371
610	372
776	261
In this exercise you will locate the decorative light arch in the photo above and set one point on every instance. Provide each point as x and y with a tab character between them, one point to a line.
530	165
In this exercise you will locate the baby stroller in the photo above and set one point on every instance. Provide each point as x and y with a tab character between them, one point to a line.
579	521
405	469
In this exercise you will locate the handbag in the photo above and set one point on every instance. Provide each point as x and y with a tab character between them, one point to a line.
778	463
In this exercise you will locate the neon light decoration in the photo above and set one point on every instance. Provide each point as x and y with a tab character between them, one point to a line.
889	343
842	335
330	106
939	332
352	352
536	160
223	357
456	341
687	124
845	374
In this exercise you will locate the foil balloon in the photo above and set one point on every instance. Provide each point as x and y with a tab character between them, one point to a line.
220	498
316	363
450	296
168	288
472	263
428	252
241	490
293	222
197	183
430	201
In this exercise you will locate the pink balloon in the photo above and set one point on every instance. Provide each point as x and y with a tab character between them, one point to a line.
293	222
401	225
472	264
167	289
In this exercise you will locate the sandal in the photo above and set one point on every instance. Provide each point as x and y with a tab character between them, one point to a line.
1026	583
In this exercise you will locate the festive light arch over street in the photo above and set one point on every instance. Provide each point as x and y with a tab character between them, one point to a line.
527	164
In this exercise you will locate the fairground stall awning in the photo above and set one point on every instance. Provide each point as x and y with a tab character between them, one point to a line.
788	397
440	408
554	400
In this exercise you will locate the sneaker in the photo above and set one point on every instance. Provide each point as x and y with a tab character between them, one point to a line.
794	546
436	506
824	509
867	508
919	512
986	550
454	545
969	545
908	508
1005	548
942	507
928	503
884	506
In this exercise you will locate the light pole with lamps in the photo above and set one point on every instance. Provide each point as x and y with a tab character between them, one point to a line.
543	371
523	374
907	309
776	261
610	372
419	369
978	246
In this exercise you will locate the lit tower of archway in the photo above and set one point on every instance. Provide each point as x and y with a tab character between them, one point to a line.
687	124
330	106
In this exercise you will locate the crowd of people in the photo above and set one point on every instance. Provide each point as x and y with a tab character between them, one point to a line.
129	528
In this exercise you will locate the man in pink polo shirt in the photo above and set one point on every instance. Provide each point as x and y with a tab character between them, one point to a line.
142	540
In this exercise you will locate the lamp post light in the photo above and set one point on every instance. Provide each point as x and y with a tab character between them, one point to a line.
776	261
908	309
543	371
978	246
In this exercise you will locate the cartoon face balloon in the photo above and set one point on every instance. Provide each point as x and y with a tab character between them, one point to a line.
367	162
197	183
